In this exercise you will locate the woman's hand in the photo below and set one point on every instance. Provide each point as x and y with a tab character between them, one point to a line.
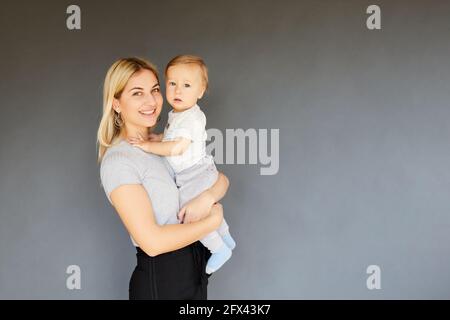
217	214
197	209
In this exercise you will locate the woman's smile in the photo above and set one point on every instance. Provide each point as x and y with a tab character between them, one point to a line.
148	114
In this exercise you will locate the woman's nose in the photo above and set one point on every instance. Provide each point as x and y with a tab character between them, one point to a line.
150	100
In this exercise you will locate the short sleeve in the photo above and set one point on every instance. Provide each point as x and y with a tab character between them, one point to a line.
190	127
169	168
116	171
180	132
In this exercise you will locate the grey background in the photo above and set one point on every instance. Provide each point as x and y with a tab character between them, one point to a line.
364	152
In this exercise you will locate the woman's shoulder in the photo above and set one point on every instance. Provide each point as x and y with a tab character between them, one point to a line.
119	153
124	154
118	167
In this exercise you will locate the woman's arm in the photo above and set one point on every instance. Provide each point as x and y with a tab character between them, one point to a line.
200	206
136	212
219	188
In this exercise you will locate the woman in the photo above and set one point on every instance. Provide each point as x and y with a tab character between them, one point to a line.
140	186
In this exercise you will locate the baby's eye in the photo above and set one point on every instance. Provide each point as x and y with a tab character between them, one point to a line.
171	83
187	85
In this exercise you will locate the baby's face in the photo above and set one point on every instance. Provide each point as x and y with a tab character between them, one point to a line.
184	86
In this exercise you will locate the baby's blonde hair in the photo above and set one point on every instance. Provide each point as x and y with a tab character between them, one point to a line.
190	59
115	81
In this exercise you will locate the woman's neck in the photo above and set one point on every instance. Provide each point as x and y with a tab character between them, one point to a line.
131	131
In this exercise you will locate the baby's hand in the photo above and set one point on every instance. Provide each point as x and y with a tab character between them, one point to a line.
138	141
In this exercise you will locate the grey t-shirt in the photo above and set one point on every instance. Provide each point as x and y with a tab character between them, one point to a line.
124	164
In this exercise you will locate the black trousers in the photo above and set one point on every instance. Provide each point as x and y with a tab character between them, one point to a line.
176	275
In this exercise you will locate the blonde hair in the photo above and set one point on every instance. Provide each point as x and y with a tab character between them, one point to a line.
115	81
190	59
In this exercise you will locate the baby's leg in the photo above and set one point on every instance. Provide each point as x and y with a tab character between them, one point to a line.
220	252
224	232
223	228
191	182
213	241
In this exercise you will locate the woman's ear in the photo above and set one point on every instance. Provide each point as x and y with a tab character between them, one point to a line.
115	105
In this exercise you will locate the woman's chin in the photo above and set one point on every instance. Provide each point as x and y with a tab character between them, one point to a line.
148	121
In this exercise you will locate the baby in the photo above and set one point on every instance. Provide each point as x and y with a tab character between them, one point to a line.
184	145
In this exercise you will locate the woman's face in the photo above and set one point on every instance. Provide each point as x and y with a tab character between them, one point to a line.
141	100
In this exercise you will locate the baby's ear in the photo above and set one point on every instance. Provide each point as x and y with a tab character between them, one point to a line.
202	93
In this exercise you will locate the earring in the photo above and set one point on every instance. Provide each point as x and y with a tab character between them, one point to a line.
118	122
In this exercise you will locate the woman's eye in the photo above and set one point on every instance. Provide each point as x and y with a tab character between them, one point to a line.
137	93
156	90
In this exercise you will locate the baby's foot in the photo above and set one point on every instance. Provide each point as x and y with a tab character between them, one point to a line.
229	241
218	258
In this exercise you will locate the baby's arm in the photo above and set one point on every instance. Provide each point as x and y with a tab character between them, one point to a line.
156	136
174	147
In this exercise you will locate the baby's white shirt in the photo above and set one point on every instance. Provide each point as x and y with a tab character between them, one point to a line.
189	124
